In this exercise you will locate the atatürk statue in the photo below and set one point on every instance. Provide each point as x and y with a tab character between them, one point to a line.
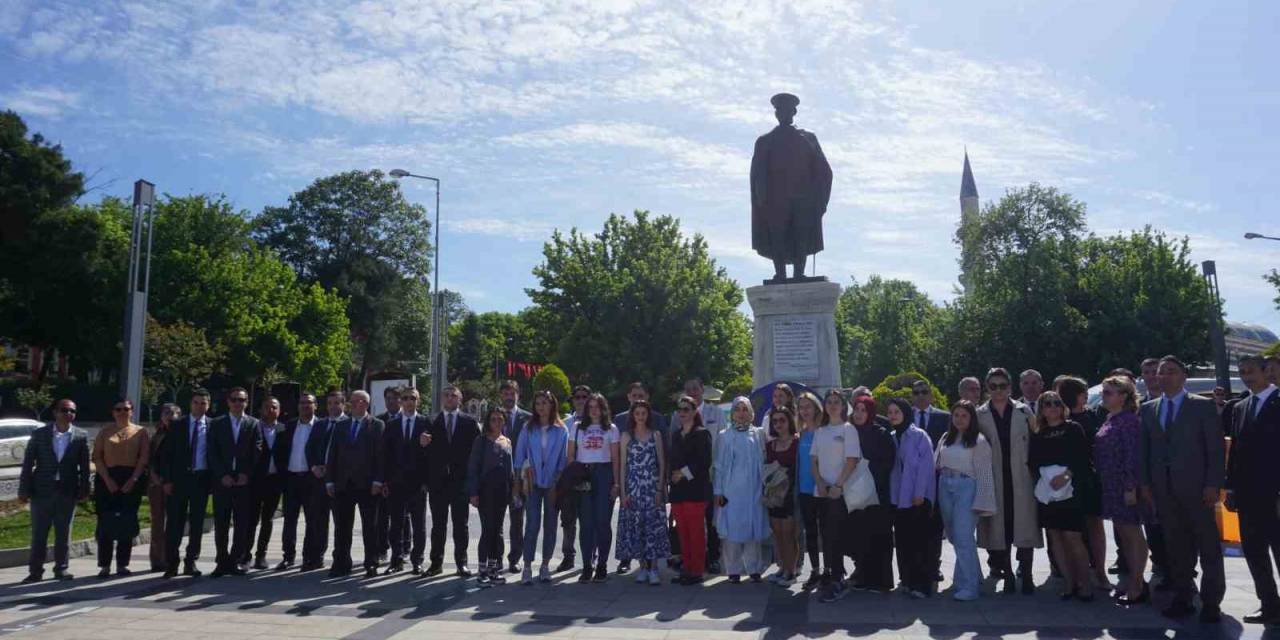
790	187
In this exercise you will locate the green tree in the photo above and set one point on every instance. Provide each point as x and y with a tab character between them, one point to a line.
480	342
35	178
552	378
640	301
66	285
179	356
898	385
355	233
35	399
883	326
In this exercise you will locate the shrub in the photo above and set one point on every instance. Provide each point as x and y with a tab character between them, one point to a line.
898	385
552	378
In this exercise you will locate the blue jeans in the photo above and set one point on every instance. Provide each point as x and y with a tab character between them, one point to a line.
539	511
955	499
595	534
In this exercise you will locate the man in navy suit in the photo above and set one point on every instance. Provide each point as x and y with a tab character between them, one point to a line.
55	474
185	472
1253	485
404	482
353	478
448	443
235	446
267	483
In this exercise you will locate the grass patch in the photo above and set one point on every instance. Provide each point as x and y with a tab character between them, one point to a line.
15	522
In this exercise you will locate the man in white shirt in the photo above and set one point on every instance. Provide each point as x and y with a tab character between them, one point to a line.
55	474
235	446
303	493
267	483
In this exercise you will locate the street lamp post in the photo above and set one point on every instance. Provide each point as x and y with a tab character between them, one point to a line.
1258	236
437	302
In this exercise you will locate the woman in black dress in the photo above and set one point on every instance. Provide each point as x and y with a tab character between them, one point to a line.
1056	441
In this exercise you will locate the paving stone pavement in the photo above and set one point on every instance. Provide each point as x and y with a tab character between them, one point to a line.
290	604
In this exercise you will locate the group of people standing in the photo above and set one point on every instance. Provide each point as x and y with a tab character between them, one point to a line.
823	479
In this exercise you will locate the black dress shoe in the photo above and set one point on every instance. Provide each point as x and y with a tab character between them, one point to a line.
1210	615
63	575
191	570
586	575
513	568
32	578
1263	616
123	572
284	565
1178	609
713	568
624	566
462	572
434	570
170	573
394	567
104	572
1125	601
565	565
1010	586
338	572
260	564
370	572
219	571
417	569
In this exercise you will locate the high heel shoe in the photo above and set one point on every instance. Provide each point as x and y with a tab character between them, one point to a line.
1142	598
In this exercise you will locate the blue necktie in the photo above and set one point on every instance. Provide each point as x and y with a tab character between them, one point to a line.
355	430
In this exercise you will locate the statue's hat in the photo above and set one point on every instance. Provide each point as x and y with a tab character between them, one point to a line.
784	100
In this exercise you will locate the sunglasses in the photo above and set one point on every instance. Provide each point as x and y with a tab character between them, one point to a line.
1052	403
239	400
920	392
119	409
69	411
685	409
996	386
583	398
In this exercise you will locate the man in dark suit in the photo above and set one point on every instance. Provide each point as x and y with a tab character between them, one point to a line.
509	392
1181	457
448	444
267	483
55	475
1253	484
185	473
391	404
353	479
300	453
234	449
404	482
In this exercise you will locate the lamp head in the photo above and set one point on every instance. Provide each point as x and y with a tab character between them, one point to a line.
399	173
1251	235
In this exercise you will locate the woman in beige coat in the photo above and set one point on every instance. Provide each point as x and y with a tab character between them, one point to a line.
1004	422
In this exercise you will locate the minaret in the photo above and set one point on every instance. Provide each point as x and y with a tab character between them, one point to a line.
968	191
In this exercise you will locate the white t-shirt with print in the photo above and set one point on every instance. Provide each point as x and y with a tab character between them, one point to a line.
593	443
832	444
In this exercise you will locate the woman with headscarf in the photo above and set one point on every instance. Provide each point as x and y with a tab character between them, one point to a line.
739	487
871	528
913	490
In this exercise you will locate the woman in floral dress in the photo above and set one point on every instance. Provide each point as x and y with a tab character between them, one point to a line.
642	522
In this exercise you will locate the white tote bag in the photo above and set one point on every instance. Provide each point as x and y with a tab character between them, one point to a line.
860	489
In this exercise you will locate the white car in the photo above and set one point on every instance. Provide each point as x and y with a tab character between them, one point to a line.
14	433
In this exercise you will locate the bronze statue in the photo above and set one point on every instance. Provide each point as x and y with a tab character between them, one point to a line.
790	188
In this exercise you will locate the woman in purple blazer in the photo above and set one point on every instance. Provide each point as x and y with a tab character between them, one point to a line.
913	490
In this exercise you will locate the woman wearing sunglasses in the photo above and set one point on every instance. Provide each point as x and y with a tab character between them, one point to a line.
120	453
1005	423
1058	443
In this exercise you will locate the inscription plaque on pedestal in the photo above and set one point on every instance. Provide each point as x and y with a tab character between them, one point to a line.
795	349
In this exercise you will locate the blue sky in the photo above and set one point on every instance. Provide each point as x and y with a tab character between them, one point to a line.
539	114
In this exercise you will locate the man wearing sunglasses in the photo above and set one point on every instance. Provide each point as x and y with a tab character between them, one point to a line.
1005	423
235	445
55	475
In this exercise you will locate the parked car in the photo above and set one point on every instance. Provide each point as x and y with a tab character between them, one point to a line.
1199	386
14	433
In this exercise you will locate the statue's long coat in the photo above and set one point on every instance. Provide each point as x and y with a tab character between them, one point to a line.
790	188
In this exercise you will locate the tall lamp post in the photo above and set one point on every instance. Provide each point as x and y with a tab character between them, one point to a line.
1258	236
437	302
135	307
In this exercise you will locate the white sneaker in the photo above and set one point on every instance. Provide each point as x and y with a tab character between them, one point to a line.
654	578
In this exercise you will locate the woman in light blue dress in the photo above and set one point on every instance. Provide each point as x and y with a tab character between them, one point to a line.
741	519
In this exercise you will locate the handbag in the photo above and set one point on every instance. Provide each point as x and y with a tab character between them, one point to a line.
777	485
860	488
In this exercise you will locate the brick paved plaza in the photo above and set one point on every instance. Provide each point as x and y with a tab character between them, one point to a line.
292	605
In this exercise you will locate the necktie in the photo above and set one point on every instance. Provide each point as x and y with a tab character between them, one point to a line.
195	443
1253	408
449	421
920	419
408	424
355	429
1168	414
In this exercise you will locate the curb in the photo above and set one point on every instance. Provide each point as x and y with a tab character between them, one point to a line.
75	549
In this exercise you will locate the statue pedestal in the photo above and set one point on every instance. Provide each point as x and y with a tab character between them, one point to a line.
795	334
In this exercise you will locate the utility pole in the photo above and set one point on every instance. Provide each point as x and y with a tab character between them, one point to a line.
135	307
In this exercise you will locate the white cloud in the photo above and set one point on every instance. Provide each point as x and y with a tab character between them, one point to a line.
46	101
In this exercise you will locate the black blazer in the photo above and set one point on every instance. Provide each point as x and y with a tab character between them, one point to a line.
405	462
1251	472
312	448
176	466
271	452
320	443
229	457
447	459
40	465
937	422
355	464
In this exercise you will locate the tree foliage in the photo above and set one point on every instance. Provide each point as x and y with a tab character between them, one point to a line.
898	385
179	355
640	301
35	178
883	326
356	233
552	378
